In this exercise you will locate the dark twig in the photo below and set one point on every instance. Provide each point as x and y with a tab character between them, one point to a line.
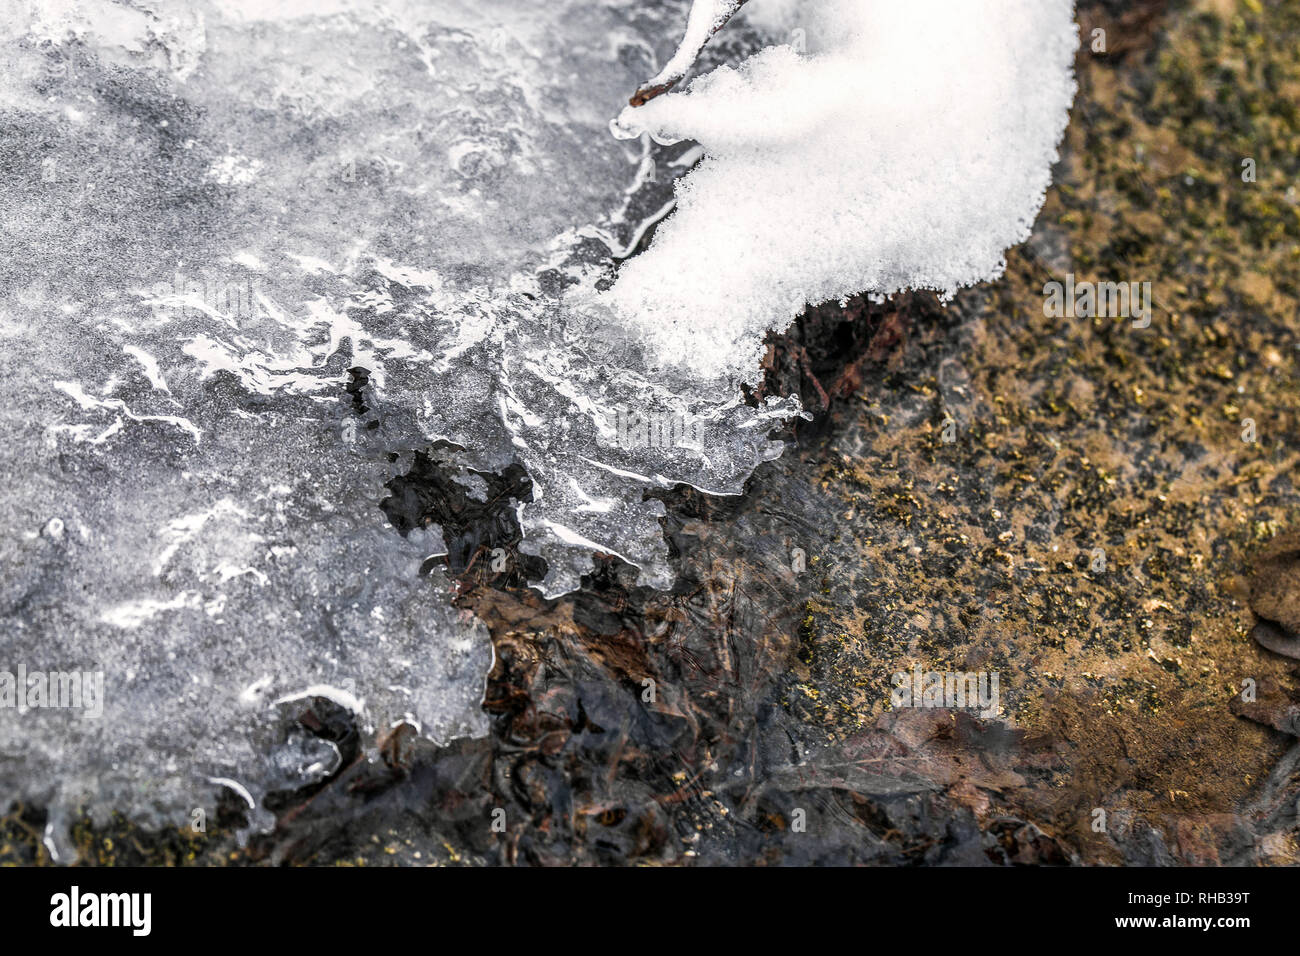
706	18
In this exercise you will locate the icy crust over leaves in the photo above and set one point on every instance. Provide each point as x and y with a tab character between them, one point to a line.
890	145
215	603
216	209
561	388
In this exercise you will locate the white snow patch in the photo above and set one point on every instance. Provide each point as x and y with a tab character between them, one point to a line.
907	149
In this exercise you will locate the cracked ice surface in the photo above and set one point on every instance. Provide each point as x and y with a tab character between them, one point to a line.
212	211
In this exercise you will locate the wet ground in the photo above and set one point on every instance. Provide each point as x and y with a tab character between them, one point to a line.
1075	504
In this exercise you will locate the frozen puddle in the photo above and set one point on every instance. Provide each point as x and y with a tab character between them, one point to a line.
215	213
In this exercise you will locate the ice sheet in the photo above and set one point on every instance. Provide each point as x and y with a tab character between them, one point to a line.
215	210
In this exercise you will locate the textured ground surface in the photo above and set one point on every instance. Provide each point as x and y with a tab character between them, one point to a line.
1121	689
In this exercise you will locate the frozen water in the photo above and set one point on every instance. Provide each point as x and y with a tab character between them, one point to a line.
213	211
216	209
886	146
